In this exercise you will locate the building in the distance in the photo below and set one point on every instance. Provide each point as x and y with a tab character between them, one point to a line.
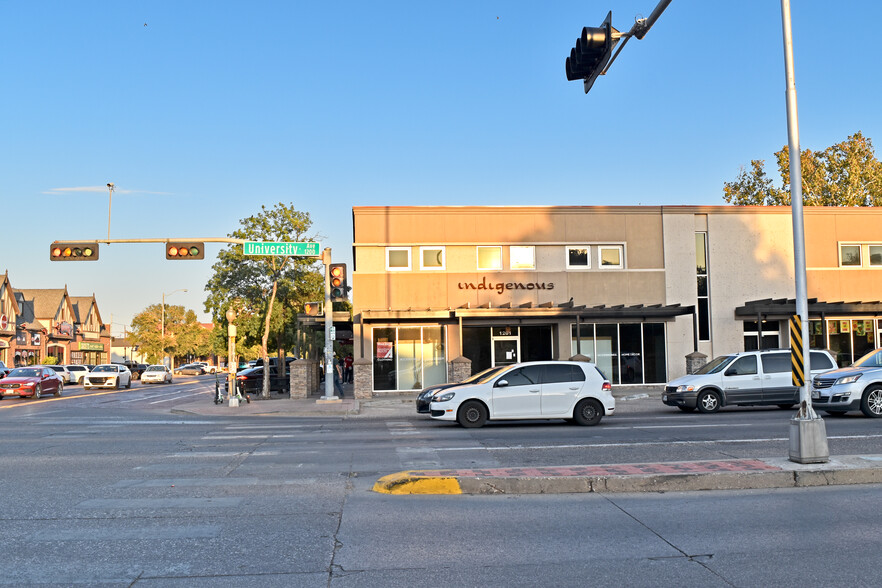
636	289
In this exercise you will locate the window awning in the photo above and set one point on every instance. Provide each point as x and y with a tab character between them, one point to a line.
784	307
528	310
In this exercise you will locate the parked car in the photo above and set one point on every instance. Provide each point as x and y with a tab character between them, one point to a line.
857	387
250	381
424	398
136	369
743	379
108	375
77	372
156	374
62	371
3	370
206	367
33	381
570	390
190	369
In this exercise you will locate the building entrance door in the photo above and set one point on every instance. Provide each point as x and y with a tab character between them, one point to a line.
505	345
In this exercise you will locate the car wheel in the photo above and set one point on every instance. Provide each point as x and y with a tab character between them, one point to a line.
59	390
871	403
708	401
588	412
472	414
129	383
38	391
116	384
785	406
686	408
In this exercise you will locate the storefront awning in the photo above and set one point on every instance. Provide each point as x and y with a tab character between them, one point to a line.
784	307
528	310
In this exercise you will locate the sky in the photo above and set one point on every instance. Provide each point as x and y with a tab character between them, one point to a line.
201	112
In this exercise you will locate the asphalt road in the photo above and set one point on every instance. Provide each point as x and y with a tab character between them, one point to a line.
113	488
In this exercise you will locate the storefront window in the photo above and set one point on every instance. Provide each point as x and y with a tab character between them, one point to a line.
607	344
384	359
626	353
409	358
654	355
586	345
631	353
410	365
770	335
434	356
863	337
840	341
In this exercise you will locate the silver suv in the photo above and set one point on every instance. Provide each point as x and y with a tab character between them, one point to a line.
746	378
858	387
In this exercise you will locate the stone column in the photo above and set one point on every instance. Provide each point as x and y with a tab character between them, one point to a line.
458	369
362	373
695	361
299	379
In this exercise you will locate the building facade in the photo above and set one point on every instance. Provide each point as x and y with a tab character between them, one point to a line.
636	289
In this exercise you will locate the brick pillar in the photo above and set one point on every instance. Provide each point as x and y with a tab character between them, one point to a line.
362	373
299	379
313	380
458	369
695	361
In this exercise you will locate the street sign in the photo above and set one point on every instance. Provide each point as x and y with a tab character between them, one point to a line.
281	248
333	333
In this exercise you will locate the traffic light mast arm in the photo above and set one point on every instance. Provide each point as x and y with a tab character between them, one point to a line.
639	30
165	240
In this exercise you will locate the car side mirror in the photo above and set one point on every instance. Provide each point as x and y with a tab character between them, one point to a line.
501	384
731	372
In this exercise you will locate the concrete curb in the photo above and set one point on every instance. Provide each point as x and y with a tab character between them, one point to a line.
781	473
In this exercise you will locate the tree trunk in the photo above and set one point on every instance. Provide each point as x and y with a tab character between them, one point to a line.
265	393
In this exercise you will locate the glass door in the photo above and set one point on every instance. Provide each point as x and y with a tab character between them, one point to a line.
505	351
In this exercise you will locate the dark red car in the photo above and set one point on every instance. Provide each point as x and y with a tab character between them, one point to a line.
34	381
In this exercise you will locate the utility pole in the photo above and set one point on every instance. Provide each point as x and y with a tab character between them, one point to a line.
329	324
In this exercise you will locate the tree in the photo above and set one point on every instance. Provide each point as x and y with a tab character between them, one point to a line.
252	285
844	174
184	335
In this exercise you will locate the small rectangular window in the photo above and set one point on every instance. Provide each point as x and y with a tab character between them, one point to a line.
489	258
432	258
397	258
875	255
578	257
522	257
850	255
610	256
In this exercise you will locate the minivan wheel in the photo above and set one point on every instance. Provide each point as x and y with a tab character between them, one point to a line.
588	412
871	403
472	414
708	401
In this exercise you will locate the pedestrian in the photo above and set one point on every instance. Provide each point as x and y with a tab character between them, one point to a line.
338	377
347	369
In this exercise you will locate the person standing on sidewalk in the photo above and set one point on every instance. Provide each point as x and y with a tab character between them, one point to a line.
347	369
338	376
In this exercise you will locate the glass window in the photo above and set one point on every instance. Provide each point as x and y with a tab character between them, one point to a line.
555	373
434	356
631	346
397	258
607	346
776	363
410	365
654	362
743	366
770	335
577	257
703	307
610	256
522	257
489	258
432	258
850	255
384	359
875	255
820	361
525	376
582	341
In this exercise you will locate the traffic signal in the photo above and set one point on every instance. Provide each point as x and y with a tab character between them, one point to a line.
73	251
312	308
592	52
189	250
338	282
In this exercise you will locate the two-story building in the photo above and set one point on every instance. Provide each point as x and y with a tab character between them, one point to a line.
637	289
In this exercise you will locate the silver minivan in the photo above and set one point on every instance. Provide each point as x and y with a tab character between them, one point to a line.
743	379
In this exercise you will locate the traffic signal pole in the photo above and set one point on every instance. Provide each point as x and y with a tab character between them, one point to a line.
329	322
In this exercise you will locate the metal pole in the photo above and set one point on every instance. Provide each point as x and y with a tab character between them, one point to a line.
808	435
109	203
329	322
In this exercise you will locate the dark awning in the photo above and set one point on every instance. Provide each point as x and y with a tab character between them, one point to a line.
528	310
784	307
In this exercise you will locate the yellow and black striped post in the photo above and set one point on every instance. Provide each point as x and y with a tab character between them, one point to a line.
796	360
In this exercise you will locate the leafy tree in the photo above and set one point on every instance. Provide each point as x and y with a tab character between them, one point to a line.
265	291
844	174
184	335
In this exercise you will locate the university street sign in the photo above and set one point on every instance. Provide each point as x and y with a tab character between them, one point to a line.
281	248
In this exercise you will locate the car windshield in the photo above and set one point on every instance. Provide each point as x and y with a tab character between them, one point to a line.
104	368
156	368
483	376
716	365
871	360
24	373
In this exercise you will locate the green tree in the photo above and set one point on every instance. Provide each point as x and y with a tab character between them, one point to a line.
184	335
265	291
844	174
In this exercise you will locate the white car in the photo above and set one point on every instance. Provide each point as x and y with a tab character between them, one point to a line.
62	372
77	372
108	375
570	390
156	374
206	367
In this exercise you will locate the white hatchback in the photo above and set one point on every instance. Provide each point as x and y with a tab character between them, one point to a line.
570	390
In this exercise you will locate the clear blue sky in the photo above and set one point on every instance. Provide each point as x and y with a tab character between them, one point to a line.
215	108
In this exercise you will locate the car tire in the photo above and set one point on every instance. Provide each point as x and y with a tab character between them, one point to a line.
59	390
871	402
588	412
685	408
116	384
785	406
38	391
708	401
472	414
129	384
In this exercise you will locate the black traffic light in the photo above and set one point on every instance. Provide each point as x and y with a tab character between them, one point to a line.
338	282
189	250
73	251
592	52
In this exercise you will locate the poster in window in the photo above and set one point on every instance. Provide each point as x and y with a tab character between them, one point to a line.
384	350
816	327
844	327
859	328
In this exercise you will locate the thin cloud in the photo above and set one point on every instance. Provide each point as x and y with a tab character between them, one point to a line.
103	190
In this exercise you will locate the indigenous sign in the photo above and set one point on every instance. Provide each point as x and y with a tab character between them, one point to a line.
501	287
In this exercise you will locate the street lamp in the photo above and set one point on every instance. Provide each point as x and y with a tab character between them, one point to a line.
162	339
232	397
110	189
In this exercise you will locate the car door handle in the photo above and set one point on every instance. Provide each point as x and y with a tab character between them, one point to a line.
574	387
534	391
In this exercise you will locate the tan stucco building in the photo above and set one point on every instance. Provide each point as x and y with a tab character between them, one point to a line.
637	289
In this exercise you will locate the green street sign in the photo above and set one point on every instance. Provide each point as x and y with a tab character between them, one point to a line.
283	248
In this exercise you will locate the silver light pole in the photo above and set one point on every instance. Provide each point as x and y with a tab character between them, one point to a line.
110	189
808	433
